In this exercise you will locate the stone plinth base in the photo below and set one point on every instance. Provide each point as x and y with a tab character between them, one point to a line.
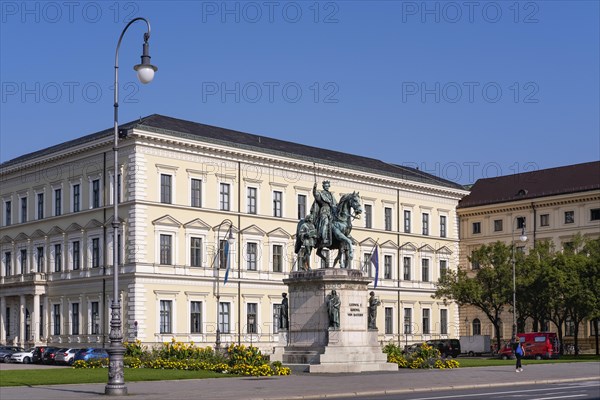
315	347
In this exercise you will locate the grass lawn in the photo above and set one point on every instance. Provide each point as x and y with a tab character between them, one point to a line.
466	362
48	376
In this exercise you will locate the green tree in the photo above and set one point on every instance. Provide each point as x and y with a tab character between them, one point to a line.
532	287
489	290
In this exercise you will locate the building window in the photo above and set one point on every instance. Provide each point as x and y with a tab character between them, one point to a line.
407	321
569	327
277	199
95	252
252	255
545	220
425	270
23	259
119	188
520	222
223	255
23	209
165	249
367	264
57	258
476	227
426	329
425	224
76	198
224	317
388	218
368	216
387	267
165	316
443	267
276	313
196	317
443	321
251	200
406	221
40	259
166	188
301	206
406	263
196	252
389	320
75	319
443	226
196	193
595	214
95	318
57	202
251	318
325	260
8	263
569	217
224	194
96	193
498	225
7	213
76	254
40	205
476	326
56	321
277	258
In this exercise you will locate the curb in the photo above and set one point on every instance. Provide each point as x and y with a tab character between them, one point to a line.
434	389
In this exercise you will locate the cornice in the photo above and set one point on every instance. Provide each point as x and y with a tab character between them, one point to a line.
231	152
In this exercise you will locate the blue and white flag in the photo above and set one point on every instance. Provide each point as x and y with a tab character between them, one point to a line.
375	261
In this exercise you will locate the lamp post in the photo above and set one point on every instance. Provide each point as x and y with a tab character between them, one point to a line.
522	238
230	239
145	71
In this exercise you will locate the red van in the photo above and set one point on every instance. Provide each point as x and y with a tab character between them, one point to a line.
537	345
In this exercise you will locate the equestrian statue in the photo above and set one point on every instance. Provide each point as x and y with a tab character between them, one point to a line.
328	226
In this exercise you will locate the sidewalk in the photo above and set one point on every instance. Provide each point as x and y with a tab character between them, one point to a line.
307	386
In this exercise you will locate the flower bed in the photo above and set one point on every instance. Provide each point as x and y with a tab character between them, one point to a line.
237	360
424	356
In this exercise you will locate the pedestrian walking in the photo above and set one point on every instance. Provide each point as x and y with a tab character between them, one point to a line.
519	354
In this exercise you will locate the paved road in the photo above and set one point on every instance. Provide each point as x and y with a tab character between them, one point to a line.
313	386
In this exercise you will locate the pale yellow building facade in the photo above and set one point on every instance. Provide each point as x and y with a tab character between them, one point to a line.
182	187
552	205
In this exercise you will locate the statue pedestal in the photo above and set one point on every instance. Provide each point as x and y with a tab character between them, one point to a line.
320	349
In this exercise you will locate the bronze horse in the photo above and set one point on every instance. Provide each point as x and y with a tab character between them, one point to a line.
348	208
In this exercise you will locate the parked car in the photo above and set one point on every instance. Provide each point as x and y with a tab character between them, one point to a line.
6	351
449	348
90	353
37	354
24	357
48	355
65	356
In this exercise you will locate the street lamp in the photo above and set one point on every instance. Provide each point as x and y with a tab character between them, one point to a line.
230	241
522	238
116	382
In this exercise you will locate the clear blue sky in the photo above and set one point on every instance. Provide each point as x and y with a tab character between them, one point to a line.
463	90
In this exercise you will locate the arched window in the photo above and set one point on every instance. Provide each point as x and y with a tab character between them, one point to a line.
476	326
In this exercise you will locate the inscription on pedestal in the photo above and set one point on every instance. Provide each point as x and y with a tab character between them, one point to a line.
355	310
